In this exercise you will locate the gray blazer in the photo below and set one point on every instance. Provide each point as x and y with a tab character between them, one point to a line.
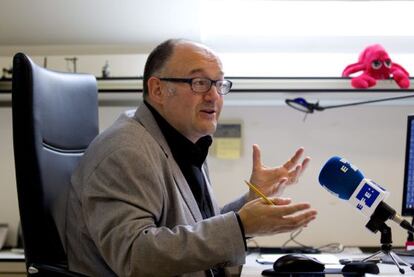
131	212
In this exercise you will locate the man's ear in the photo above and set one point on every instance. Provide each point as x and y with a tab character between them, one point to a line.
154	90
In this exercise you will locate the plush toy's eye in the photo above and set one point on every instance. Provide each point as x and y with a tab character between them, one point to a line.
376	64
387	63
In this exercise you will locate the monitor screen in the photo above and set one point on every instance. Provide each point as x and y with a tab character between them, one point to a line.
408	192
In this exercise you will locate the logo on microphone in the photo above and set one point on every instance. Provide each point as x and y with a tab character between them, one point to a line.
367	196
344	169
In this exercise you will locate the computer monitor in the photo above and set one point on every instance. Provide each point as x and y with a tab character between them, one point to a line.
408	189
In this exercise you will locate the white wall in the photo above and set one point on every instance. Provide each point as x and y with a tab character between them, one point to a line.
8	199
372	137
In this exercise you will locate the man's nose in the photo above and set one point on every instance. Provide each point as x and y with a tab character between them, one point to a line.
212	93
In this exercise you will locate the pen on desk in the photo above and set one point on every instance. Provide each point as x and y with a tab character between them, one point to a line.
258	192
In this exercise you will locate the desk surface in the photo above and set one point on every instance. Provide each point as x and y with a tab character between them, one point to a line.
252	268
14	262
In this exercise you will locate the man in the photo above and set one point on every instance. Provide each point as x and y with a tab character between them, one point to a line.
141	204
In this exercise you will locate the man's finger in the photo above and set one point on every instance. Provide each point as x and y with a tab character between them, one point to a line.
300	219
294	175
286	210
305	164
257	163
278	201
294	160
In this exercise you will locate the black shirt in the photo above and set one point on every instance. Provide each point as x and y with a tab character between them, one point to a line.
190	158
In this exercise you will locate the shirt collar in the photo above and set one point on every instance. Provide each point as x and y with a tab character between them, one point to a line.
183	150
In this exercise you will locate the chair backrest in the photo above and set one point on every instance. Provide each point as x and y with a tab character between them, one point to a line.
55	117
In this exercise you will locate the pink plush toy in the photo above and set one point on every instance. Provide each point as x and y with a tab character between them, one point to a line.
376	65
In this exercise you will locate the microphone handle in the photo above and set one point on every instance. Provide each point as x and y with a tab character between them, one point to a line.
382	213
403	223
394	216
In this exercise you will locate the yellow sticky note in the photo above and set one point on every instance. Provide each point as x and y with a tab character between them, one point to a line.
228	148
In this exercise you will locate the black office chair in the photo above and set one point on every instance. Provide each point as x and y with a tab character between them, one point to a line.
55	117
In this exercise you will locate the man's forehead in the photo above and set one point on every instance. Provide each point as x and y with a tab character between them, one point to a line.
203	71
193	58
193	46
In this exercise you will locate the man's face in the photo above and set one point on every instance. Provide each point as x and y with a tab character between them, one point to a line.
193	114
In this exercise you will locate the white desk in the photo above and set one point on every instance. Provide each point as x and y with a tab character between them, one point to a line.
254	269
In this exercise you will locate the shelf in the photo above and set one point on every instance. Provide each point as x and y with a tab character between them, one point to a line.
252	84
258	91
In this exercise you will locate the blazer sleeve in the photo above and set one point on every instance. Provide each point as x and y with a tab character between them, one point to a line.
125	203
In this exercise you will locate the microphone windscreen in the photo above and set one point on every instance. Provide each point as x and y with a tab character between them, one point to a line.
340	177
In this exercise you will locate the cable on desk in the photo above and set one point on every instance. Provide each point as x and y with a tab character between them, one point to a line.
293	235
333	248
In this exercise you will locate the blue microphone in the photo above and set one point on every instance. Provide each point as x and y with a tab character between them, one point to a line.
347	182
340	177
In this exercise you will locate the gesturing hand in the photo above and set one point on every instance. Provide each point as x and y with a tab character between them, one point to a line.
260	218
271	181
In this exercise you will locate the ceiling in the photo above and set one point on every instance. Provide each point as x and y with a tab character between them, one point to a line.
130	25
136	26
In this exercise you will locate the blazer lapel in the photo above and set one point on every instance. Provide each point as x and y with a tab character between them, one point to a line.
145	117
185	190
216	207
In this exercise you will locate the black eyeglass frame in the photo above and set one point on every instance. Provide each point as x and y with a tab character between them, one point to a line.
190	82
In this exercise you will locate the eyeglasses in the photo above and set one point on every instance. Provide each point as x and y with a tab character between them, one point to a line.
202	85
